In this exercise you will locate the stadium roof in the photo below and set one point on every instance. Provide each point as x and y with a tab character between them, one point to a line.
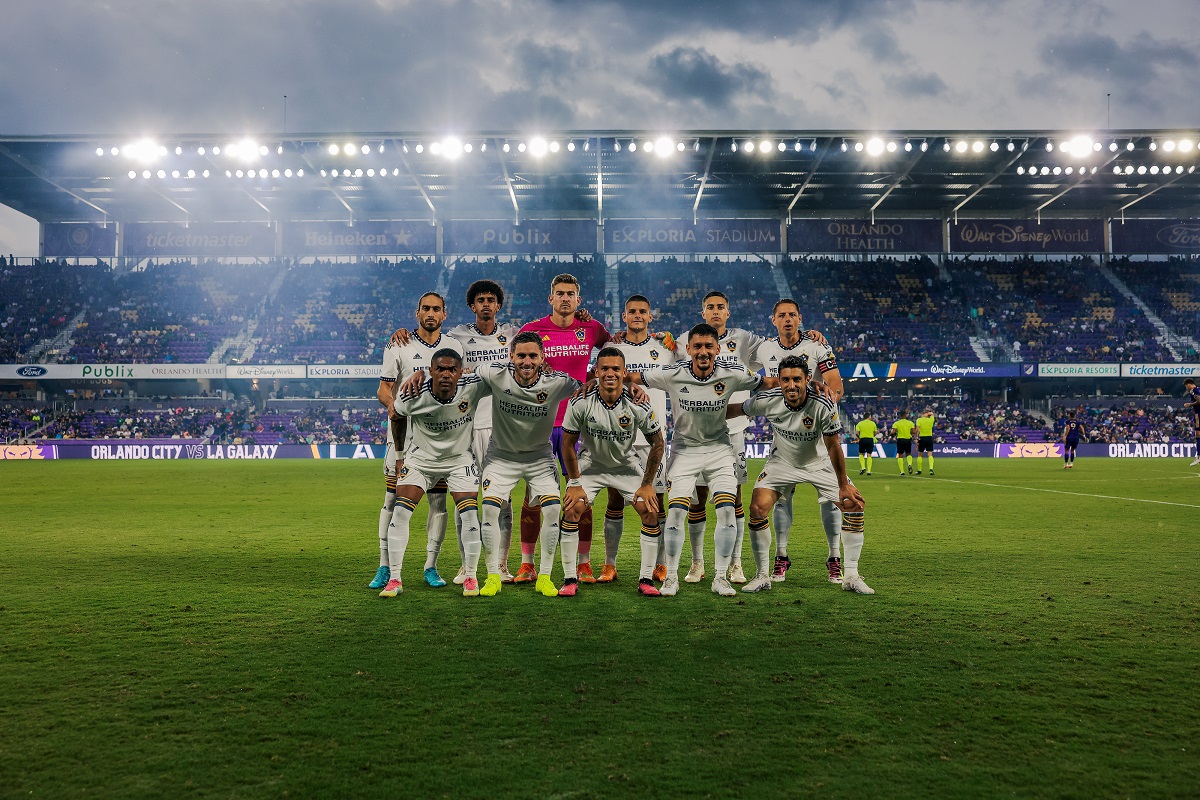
604	174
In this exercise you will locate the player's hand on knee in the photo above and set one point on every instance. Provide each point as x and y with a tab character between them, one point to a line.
645	501
849	499
574	501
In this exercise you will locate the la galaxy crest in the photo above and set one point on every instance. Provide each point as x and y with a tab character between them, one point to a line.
502	339
580	334
487	482
808	422
404	472
731	345
463	406
719	388
541	397
654	355
624	420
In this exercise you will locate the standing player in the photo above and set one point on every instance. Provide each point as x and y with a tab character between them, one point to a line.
439	453
798	418
925	439
903	428
701	449
642	352
866	430
823	369
1193	397
606	419
485	341
400	361
1071	433
568	343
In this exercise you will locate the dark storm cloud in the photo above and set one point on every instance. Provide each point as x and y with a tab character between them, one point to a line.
881	44
694	73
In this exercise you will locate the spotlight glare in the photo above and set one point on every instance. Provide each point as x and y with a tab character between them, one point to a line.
663	145
205	173
1168	146
348	149
554	147
200	150
365	149
571	146
451	147
891	147
874	147
287	173
960	146
146	174
132	174
115	150
100	151
1185	145
333	149
765	146
858	147
174	173
977	146
538	147
371	172
435	148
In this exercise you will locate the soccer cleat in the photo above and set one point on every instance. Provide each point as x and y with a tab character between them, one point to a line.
470	587
735	573
902	475
760	584
393	588
782	565
382	576
660	572
546	586
608	574
696	573
862	472
433	579
585	572
670	587
855	583
505	575
491	585
525	574
1195	461
569	588
931	473
461	577
868	474
646	588
722	587
834	565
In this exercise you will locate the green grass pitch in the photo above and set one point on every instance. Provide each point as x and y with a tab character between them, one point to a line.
203	629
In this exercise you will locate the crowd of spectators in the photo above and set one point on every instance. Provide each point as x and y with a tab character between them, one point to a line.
1129	422
1171	288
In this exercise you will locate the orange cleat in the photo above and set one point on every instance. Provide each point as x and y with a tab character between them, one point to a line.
660	573
526	574
585	573
608	574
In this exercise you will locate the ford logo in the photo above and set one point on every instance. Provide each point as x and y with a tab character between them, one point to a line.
31	371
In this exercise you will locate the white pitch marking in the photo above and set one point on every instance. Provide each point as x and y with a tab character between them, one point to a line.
1077	494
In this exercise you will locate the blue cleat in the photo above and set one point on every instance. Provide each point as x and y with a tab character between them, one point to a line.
433	579
382	576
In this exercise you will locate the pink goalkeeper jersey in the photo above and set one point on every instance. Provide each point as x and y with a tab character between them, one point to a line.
569	350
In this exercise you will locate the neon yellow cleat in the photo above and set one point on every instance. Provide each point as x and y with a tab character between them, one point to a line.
545	586
491	586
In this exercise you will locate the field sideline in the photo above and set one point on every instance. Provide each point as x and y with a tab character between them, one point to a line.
203	629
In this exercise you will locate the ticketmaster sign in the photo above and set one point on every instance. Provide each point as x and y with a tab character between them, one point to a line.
1160	370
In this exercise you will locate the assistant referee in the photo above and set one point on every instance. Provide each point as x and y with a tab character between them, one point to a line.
866	431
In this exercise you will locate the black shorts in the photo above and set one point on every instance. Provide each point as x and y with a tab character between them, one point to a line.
1071	444
866	447
925	444
904	447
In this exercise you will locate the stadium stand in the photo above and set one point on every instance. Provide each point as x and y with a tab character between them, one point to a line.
1171	288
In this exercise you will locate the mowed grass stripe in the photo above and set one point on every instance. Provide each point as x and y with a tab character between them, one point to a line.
205	629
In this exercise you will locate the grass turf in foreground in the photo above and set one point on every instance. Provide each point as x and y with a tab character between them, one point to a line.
204	628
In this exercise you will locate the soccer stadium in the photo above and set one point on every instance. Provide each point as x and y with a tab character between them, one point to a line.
191	382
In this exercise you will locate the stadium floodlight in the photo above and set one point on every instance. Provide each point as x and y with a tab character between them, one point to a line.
617	145
1186	145
162	173
1154	169
333	173
115	151
663	145
162	150
1095	169
248	150
946	146
680	146
891	147
467	147
365	149
334	149
324	173
1068	170
734	146
395	172
924	145
146	174
100	151
371	172
521	147
380	148
238	173
216	150
875	147
632	147
358	173
1049	147
1191	169
1020	170
178	150
483	147
435	148
538	147
858	147
907	146
1129	169
1058	170
132	174
587	145
844	147
1112	147
960	146
1097	147
977	146
1169	146
300	173
1153	145
420	148
287	173
647	147
174	173
994	146
200	150
279	150
451	146
1141	170
1117	169
1011	146
781	147
1129	145
505	147
571	146
191	173
555	146
274	173
799	146
813	145
1045	170
766	146
349	149
206	173
143	150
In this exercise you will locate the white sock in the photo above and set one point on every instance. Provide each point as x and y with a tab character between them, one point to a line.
831	520
781	520
569	547
661	558
613	528
649	555
852	540
385	519
435	527
506	517
739	535
551	513
398	531
469	539
676	519
760	545
723	537
489	531
696	536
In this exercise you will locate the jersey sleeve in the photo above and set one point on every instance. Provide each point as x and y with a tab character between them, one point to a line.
656	379
827	362
488	373
648	421
407	406
563	387
746	380
390	370
751	406
833	425
601	336
753	342
575	417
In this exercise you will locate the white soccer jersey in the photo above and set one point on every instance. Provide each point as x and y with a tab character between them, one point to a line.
740	345
401	361
607	432
820	358
641	357
700	403
441	430
798	432
479	350
523	416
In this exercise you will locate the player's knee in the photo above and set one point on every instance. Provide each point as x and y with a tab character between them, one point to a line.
760	509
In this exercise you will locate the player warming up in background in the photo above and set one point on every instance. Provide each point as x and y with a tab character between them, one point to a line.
798	419
1193	402
925	439
866	430
605	419
903	428
1071	433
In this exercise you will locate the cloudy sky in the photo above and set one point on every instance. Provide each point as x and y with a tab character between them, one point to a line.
223	66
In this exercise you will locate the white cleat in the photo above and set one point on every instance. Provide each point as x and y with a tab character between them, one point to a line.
461	577
721	586
670	587
1195	461
735	573
855	583
505	575
696	573
761	583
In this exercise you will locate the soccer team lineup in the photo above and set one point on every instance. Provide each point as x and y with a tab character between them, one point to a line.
477	409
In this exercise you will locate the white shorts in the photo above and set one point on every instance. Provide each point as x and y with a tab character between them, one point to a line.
501	476
625	483
660	477
480	439
461	475
781	477
741	470
713	467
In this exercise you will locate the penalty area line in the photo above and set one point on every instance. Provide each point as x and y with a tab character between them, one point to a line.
1077	494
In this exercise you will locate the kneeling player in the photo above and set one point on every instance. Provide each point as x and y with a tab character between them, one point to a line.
798	419
442	413
608	419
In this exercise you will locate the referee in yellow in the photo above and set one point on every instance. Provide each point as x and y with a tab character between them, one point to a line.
866	431
925	439
903	428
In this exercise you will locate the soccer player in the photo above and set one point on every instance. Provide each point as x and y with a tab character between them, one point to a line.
866	430
792	341
400	361
925	439
903	428
642	351
701	449
485	341
439	453
1071	433
568	342
798	418
1193	396
606	419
